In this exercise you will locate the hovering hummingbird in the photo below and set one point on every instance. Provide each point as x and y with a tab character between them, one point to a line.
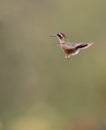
69	48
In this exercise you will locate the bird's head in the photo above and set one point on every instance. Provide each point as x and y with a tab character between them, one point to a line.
61	37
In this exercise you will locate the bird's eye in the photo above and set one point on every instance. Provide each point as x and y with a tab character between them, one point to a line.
59	36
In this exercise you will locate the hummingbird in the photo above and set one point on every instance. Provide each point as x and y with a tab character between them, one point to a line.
69	48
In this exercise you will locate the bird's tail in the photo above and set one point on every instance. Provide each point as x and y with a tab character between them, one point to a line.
83	45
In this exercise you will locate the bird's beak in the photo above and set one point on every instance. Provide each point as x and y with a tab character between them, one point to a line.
52	35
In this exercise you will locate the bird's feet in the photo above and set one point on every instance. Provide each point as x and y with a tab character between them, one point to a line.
67	57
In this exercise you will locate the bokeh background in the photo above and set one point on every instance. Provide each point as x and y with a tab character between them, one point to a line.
39	89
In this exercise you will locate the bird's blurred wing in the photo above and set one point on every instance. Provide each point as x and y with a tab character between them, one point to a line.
68	46
82	45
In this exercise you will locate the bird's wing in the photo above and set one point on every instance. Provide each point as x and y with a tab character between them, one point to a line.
82	45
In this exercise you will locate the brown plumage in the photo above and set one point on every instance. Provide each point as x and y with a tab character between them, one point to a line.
70	48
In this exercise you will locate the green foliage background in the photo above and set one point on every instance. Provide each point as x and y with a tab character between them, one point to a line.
39	89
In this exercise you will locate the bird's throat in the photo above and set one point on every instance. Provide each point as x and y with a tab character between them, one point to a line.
61	41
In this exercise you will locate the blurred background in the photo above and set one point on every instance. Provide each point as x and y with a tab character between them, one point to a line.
39	89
